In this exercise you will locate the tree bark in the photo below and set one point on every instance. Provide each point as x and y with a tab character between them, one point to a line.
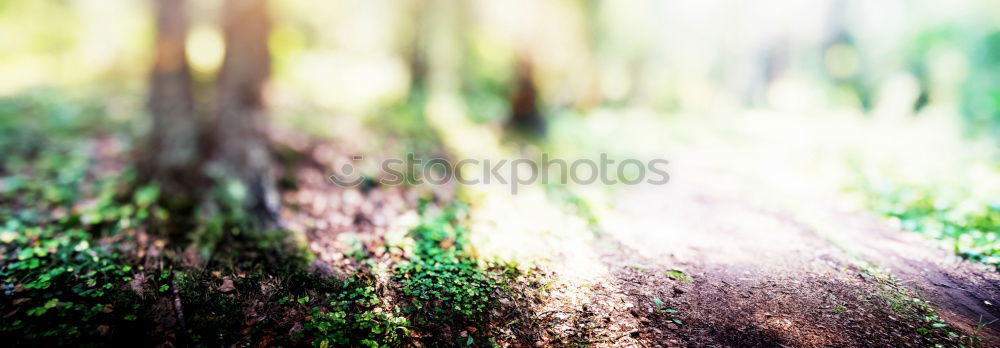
173	141
241	148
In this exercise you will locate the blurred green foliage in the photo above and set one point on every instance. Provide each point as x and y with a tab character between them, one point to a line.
982	89
970	229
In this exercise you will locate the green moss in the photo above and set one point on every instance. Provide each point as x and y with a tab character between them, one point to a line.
353	316
441	281
446	290
61	290
61	284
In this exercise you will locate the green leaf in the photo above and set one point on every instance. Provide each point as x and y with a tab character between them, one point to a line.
679	275
146	195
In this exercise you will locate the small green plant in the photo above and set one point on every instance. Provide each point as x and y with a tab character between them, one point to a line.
353	316
440	279
679	275
839	309
974	339
902	302
61	278
61	283
663	309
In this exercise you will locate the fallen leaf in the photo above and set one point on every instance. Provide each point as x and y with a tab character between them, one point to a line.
227	285
446	243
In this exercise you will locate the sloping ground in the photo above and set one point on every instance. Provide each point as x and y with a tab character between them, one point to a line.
714	258
768	266
742	248
718	257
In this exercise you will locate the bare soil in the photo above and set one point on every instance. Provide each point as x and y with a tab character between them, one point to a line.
762	274
708	260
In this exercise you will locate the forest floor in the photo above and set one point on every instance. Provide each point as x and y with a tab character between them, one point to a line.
718	257
725	254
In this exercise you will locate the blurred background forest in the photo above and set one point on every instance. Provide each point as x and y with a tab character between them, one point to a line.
346	57
893	105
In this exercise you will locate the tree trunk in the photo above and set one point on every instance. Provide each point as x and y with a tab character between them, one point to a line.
591	96
525	115
242	150
172	158
416	52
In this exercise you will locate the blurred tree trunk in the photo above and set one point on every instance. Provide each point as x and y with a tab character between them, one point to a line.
172	156
525	115
592	95
241	148
416	55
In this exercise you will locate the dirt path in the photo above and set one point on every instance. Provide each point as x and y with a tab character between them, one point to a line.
768	266
715	258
